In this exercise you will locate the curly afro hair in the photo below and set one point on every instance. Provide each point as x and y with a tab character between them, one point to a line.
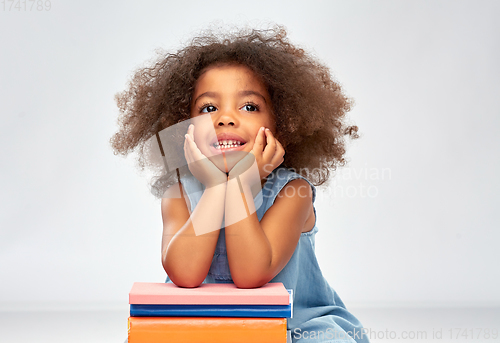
309	106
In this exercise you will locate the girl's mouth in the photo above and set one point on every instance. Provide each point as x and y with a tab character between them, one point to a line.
227	144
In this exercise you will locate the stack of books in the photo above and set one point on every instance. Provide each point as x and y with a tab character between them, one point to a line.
218	313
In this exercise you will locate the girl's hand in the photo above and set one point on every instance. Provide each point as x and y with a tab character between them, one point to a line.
199	165
267	153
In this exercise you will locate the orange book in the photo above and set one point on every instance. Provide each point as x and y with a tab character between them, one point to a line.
206	330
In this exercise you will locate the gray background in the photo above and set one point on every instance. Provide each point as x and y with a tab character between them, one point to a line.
412	220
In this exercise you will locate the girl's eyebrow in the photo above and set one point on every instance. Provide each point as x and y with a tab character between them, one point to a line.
249	92
241	93
209	94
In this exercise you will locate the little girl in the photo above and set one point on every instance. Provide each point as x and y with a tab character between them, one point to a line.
240	209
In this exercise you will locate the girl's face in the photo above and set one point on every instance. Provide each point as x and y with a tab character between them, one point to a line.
238	105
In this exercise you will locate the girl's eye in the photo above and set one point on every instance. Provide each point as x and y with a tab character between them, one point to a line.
250	107
207	109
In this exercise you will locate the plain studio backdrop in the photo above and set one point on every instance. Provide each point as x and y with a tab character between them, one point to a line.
412	220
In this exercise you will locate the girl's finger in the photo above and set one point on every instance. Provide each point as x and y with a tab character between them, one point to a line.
191	131
259	144
195	152
278	156
279	149
187	149
277	160
270	148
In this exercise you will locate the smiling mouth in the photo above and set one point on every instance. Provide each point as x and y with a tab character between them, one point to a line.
227	144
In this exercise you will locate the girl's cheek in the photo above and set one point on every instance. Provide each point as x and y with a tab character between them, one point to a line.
204	128
202	144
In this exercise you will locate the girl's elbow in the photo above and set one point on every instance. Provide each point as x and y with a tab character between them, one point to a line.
182	278
247	280
186	281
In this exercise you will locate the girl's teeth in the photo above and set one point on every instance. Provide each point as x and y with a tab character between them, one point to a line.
227	144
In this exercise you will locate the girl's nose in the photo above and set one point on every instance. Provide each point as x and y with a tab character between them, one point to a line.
226	119
222	123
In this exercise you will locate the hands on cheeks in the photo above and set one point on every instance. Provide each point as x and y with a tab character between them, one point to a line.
266	154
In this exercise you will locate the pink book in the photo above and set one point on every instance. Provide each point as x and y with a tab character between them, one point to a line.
208	294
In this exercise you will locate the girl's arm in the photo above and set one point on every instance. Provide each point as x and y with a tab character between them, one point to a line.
189	241
186	257
258	251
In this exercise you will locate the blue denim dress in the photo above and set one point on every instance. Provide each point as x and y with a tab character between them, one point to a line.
319	315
